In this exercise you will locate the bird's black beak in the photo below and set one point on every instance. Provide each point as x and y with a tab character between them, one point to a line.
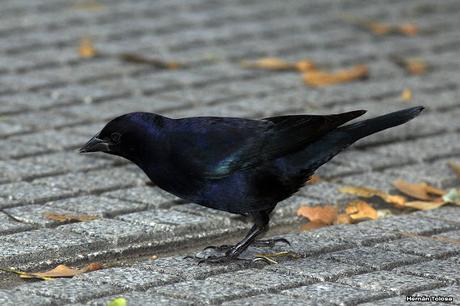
95	144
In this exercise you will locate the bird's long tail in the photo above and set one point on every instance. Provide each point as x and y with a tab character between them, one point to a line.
324	149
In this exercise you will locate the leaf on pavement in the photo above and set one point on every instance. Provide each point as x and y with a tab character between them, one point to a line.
406	95
61	271
453	197
322	78
68	217
86	48
360	210
455	167
365	192
321	214
157	63
120	301
420	191
381	28
424	205
274	63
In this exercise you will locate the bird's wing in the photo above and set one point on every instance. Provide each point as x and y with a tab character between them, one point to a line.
213	147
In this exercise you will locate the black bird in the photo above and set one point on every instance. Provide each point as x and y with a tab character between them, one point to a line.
242	166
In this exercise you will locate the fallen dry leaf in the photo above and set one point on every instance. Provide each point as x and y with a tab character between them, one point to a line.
343	219
365	192
321	214
86	48
359	211
68	217
274	63
455	167
420	191
61	271
424	205
157	63
413	66
406	95
381	28
321	78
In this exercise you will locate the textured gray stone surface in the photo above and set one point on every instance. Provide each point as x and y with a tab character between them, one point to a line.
52	101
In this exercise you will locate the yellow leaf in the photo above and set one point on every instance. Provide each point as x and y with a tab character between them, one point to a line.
360	211
68	217
424	205
321	78
269	63
419	191
120	301
59	272
455	167
406	95
305	65
364	192
321	214
343	219
380	28
86	48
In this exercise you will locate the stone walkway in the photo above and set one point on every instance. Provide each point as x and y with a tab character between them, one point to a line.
52	101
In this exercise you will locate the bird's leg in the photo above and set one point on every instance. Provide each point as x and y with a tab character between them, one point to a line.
261	224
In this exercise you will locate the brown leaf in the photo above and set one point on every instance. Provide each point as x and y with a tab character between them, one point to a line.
409	29
68	217
381	28
455	167
321	78
269	63
406	95
364	192
420	191
359	211
59	272
86	48
157	63
305	65
314	179
424	205
321	214
343	219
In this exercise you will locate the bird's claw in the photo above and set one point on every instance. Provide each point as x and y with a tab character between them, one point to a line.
270	242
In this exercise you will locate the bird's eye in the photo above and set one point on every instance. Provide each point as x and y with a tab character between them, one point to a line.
115	137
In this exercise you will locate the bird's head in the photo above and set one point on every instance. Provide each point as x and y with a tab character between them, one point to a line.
126	135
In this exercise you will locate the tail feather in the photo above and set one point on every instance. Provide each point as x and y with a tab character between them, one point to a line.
328	146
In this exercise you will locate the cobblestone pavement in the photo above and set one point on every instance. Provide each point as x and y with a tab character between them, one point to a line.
52	101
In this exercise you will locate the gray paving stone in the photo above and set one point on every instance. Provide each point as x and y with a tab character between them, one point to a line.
454	235
437	269
423	246
94	181
9	225
204	291
55	140
9	298
332	293
25	169
12	148
128	278
95	206
327	192
68	290
151	196
137	298
372	258
446	213
412	224
260	280
187	268
22	192
390	282
271	299
70	161
115	232
317	268
34	215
